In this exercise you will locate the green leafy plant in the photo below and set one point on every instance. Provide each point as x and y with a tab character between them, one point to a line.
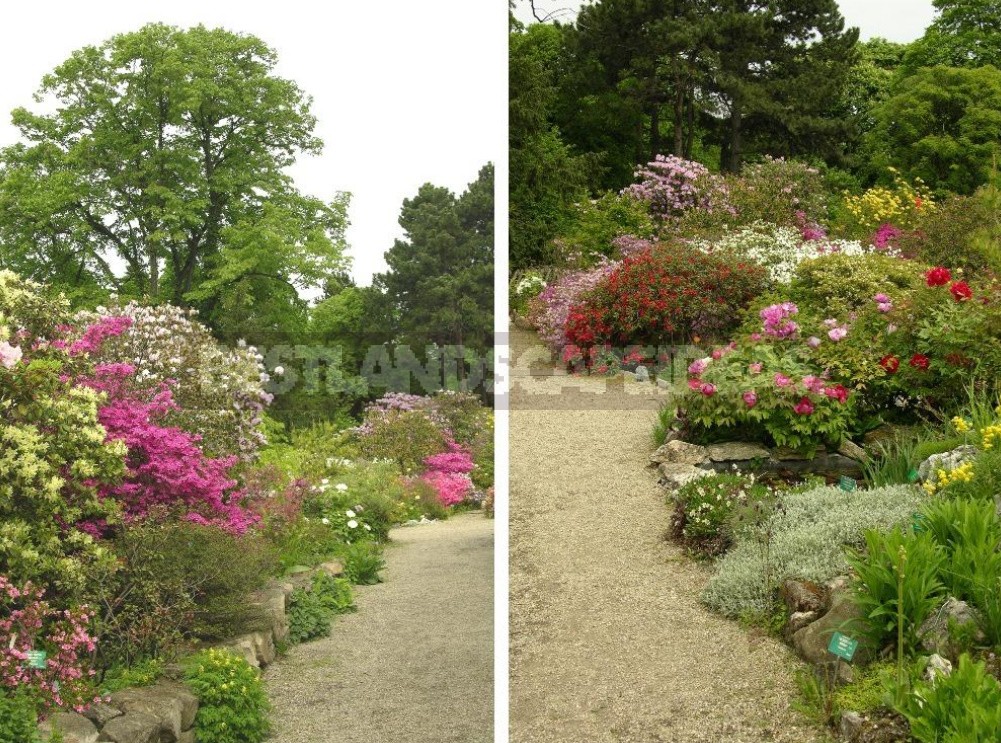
963	707
897	584
18	718
312	609
363	563
703	510
232	703
141	673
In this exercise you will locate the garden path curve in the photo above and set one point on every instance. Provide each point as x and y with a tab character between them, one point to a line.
415	663
608	641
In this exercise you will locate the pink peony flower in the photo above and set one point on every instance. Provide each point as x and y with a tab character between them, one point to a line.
781	380
836	334
697	367
813	341
812	383
756	367
708	389
750	398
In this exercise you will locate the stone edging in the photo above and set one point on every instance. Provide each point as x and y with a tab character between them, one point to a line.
165	712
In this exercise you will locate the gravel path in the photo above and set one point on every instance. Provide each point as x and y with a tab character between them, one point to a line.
415	663
608	641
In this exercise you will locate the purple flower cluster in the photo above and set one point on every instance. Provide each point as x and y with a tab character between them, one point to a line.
552	308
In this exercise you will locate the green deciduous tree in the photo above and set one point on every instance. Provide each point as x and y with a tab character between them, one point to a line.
966	33
165	153
944	125
547	176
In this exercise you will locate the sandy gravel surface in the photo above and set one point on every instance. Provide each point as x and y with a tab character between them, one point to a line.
608	641
415	663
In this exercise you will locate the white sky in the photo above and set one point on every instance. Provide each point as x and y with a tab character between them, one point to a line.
404	92
896	20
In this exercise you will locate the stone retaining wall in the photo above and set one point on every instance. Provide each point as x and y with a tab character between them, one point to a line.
165	712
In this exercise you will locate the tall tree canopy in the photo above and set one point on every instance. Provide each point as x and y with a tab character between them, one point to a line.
440	281
965	33
160	173
944	125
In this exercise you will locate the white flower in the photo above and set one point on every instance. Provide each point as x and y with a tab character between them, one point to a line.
279	370
350	514
325	481
325	521
352	524
367	527
9	355
341	487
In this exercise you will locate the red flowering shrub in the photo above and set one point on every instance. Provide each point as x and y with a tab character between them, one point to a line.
668	292
960	290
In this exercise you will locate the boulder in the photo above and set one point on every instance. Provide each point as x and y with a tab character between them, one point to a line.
100	713
850	726
797	621
642	374
802	596
852	450
946	461
188	737
673	476
263	645
737	451
244	647
842	616
171	704
934	633
938	667
679	452
72	727
132	727
334	568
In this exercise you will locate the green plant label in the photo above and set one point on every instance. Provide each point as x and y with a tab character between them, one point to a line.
842	646
37	659
918	522
912	476
847	483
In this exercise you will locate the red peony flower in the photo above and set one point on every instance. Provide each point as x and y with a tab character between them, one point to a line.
961	291
890	363
920	361
938	276
804	407
837	392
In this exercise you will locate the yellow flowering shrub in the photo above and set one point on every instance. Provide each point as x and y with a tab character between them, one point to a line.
232	703
900	205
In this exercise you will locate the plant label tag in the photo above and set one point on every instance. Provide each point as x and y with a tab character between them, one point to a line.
847	483
918	522
37	659
842	646
913	476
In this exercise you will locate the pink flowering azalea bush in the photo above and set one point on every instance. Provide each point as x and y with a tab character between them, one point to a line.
28	623
550	310
219	392
449	474
672	186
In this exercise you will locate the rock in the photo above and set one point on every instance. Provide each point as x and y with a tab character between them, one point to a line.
72	727
133	727
243	647
99	713
673	476
663	384
946	461
737	451
802	596
679	452
797	621
850	726
938	667
874	441
334	568
171	704
642	374
934	633
788	454
852	450
188	737
843	616
263	645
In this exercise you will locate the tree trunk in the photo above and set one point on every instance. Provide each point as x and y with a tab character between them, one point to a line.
679	119
654	131
690	134
734	160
